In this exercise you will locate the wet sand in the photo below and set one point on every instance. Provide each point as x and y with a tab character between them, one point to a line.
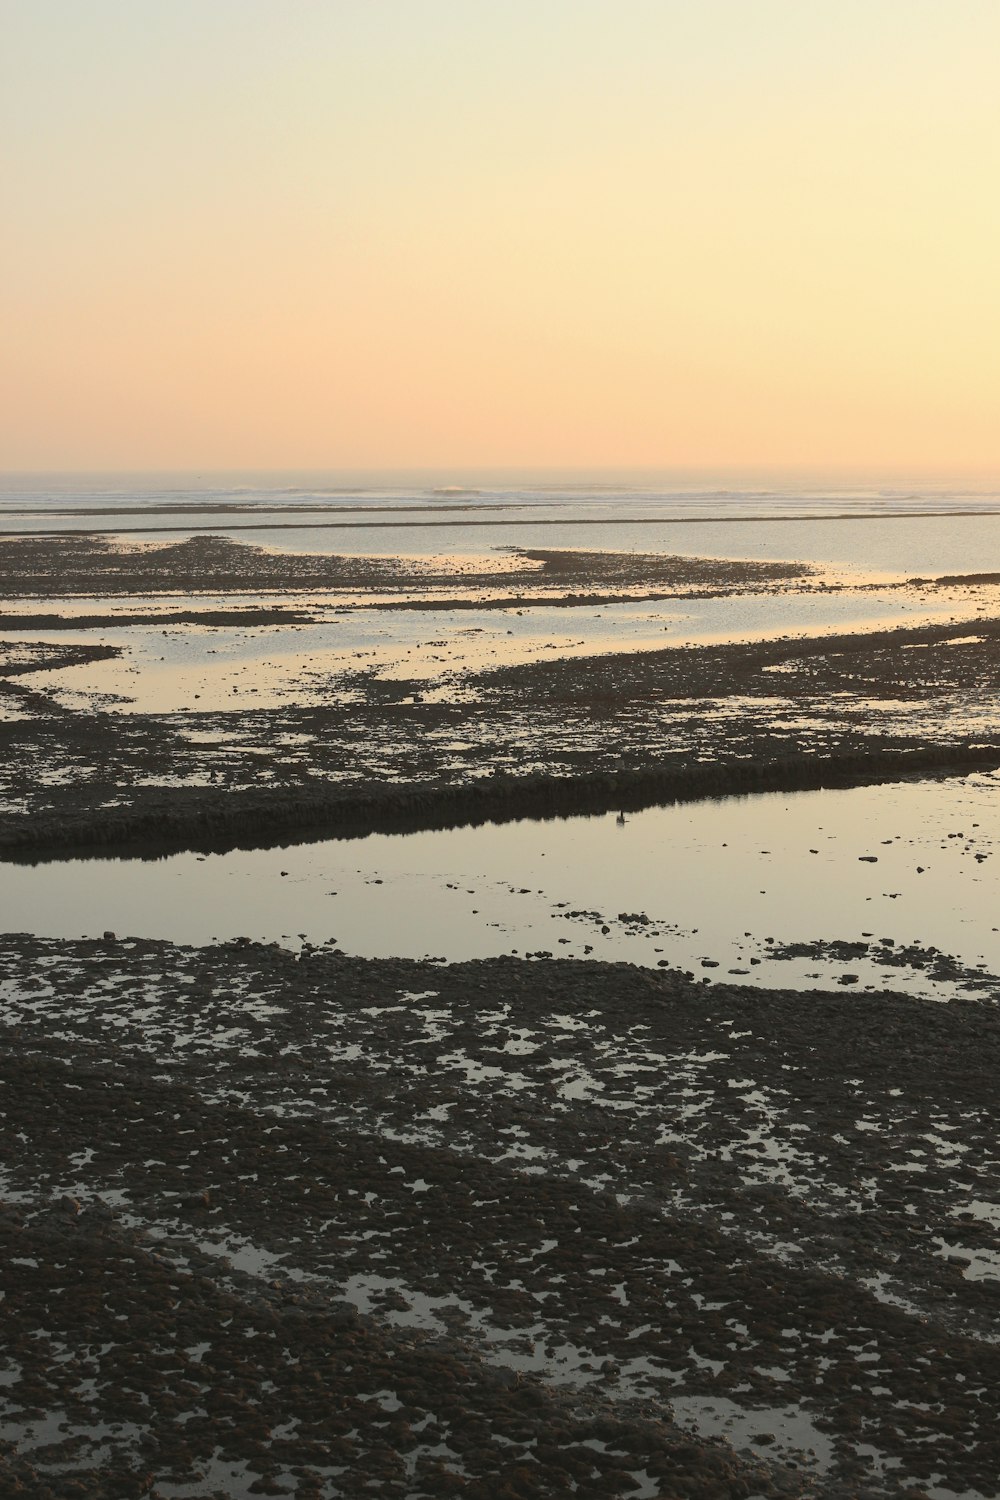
313	1225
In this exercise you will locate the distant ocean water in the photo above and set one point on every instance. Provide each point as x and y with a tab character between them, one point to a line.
665	494
872	527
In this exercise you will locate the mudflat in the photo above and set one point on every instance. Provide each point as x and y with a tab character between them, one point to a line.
283	1221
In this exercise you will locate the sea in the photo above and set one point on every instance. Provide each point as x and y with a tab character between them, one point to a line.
889	529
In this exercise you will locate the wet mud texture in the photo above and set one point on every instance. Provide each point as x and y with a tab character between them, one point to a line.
303	1224
67	566
550	738
887	953
17	658
233	616
307	1225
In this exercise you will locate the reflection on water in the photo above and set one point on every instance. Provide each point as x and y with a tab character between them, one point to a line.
713	887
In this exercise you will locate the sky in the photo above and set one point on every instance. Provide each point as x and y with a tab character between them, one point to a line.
565	233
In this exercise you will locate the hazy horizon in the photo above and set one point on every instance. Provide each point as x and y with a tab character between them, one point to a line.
611	476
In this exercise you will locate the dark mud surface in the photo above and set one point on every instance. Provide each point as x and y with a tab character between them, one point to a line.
17	658
87	564
943	968
282	1224
268	615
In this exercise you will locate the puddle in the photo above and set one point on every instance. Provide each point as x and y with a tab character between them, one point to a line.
787	1431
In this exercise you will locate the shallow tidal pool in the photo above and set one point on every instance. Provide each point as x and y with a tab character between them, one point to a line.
903	872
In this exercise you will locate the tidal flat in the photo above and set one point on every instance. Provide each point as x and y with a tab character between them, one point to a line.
708	1208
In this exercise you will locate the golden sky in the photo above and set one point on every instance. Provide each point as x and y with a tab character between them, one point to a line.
321	233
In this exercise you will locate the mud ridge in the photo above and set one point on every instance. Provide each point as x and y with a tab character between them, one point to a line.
210	820
266	615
